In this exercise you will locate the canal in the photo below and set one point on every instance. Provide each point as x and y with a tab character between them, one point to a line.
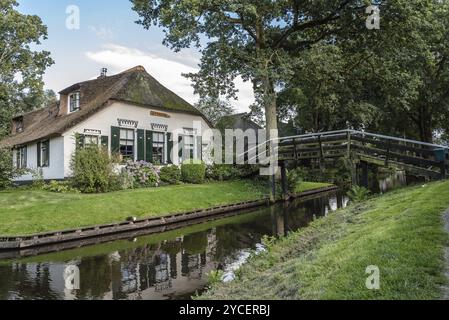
168	265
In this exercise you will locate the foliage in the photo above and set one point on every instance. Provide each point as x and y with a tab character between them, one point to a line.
7	169
92	170
224	172
59	187
295	177
21	68
170	174
215	276
38	178
358	194
193	172
214	108
258	41
145	174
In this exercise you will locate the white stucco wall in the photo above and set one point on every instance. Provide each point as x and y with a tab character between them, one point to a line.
108	118
57	162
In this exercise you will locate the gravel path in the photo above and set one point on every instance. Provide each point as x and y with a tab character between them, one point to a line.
446	256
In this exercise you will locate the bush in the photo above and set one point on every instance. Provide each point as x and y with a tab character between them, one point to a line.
170	175
7	169
92	170
145	174
223	172
59	187
358	194
295	177
192	172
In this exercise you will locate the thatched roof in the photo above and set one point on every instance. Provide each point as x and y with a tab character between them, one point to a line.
134	86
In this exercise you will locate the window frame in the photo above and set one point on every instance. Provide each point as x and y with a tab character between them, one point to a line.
44	145
158	143
128	141
21	157
73	95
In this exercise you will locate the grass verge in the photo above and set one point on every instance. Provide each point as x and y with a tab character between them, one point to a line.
401	232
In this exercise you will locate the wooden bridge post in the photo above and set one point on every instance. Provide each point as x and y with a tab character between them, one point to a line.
284	181
443	169
365	182
322	159
349	145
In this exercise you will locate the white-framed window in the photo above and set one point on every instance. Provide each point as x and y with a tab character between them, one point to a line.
127	142
189	148
74	102
158	148
19	125
91	140
44	154
21	158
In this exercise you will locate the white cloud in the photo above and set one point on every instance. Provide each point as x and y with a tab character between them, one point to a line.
167	71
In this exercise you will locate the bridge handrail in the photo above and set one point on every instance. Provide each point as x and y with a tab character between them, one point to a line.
337	132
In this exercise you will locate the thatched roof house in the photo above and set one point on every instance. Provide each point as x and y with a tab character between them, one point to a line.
108	108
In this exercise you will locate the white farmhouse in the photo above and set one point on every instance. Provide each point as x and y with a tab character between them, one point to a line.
130	113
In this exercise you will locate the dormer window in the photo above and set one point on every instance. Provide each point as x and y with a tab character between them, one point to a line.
19	125
74	102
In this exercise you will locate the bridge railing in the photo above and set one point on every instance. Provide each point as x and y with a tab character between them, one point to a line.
412	155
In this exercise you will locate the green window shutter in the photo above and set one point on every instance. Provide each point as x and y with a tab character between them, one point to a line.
169	148
79	141
199	148
38	154
105	142
140	145
149	146
115	140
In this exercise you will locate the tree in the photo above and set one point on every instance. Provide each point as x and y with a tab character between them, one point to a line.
21	68
258	40
394	81
214	109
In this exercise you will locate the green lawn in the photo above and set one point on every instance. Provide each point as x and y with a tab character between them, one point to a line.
25	211
401	232
306	186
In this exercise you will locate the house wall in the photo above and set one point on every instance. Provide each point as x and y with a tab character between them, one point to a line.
55	171
108	117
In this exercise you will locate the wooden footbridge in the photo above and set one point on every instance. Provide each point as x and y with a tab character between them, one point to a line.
427	160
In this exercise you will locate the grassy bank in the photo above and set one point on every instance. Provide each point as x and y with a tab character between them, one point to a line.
25	212
402	233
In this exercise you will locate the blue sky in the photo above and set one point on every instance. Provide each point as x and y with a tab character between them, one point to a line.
109	37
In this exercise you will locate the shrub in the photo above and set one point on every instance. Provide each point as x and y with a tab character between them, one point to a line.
295	177
223	172
192	172
170	175
59	187
38	179
7	169
145	174
92	170
358	194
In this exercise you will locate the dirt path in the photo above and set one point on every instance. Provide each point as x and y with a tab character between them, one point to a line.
446	256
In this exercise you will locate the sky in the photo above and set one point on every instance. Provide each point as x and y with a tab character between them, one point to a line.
109	37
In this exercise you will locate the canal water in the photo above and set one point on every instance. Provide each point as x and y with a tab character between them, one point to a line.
170	265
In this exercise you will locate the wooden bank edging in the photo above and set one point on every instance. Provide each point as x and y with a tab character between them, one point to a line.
50	238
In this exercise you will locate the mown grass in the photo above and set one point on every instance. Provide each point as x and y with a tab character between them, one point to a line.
306	186
28	211
402	233
25	211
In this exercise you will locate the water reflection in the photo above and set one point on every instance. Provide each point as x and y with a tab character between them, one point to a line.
164	266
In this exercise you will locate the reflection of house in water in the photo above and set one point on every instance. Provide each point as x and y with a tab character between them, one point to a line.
163	280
